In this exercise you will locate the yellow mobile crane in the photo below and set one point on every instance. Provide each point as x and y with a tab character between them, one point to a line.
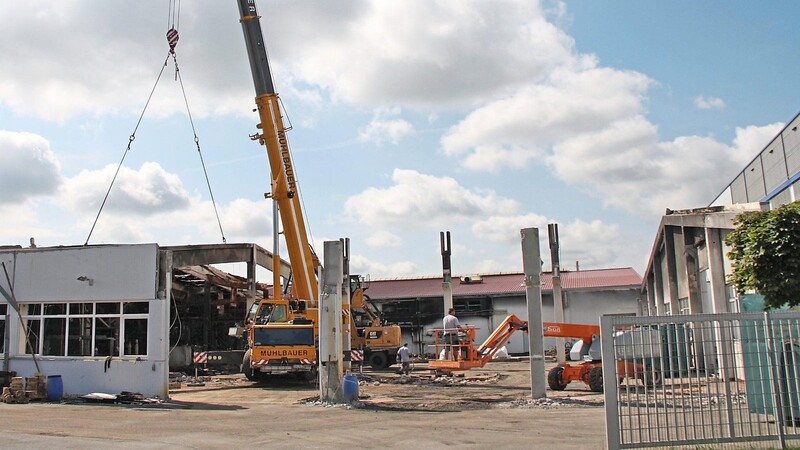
283	330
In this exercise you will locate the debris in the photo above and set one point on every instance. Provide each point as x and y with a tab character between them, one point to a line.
24	390
100	397
123	397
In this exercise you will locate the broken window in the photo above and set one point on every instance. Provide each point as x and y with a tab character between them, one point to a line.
30	336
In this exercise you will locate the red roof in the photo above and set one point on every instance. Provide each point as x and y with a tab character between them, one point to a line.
504	283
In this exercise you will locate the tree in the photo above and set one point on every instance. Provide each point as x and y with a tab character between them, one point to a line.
765	251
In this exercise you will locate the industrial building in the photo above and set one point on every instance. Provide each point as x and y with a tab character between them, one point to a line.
688	266
107	317
485	300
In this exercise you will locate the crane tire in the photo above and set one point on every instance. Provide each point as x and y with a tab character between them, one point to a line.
554	379
378	360
246	369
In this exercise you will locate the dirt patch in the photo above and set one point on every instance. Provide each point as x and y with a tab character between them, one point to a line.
499	385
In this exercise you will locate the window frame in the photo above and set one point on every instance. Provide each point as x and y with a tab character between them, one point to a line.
42	311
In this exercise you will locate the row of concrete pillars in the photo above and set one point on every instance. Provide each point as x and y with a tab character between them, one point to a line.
334	338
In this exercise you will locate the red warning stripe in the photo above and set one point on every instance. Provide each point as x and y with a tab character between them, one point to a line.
201	358
172	37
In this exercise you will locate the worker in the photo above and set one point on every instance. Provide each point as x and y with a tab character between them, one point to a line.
450	334
405	359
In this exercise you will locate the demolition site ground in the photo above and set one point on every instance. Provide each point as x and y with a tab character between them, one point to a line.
484	407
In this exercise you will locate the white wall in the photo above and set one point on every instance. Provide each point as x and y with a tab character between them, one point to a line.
118	273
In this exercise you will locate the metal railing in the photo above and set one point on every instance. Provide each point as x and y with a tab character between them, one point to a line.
722	380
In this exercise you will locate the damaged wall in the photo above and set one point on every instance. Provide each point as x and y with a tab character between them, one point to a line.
95	317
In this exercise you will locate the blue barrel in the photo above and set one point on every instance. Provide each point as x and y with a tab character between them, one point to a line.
350	388
55	388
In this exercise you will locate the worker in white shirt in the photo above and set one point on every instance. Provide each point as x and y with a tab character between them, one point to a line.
404	355
450	334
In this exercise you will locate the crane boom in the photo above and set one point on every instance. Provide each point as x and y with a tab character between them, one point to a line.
283	181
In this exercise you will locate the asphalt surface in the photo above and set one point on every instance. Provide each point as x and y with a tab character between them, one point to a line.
233	412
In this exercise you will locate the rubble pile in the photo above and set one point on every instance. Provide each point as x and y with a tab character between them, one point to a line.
545	403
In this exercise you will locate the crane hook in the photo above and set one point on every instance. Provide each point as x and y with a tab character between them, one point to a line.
172	39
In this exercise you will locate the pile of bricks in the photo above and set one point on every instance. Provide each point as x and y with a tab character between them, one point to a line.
24	390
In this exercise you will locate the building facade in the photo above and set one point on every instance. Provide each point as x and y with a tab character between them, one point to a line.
111	318
688	267
417	304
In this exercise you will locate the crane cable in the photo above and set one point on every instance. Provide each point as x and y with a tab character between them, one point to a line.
172	39
197	144
130	141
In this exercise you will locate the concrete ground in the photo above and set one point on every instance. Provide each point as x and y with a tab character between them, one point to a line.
490	407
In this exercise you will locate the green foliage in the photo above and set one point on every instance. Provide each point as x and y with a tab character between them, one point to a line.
765	251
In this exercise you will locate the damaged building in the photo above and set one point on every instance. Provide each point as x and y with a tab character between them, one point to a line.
107	317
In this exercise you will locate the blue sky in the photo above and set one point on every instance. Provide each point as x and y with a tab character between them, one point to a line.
408	118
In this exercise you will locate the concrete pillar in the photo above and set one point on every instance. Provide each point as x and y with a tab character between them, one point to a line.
346	317
532	268
672	270
447	287
558	299
658	267
652	299
330	325
692	271
716	271
704	350
166	320
719	301
251	278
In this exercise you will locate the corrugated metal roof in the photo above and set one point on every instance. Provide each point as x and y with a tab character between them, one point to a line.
505	283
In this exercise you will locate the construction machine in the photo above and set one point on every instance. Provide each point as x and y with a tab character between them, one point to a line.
283	330
588	369
369	331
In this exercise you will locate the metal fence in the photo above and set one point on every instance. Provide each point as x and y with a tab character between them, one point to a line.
722	380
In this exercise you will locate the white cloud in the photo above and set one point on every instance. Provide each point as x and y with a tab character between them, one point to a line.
384	239
28	167
361	265
506	228
381	129
142	192
414	53
418	200
627	167
99	64
752	139
702	102
515	130
595	244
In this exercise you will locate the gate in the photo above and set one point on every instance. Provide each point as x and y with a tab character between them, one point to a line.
689	381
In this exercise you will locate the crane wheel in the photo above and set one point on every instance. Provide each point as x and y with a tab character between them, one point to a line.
246	369
378	360
554	379
596	379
